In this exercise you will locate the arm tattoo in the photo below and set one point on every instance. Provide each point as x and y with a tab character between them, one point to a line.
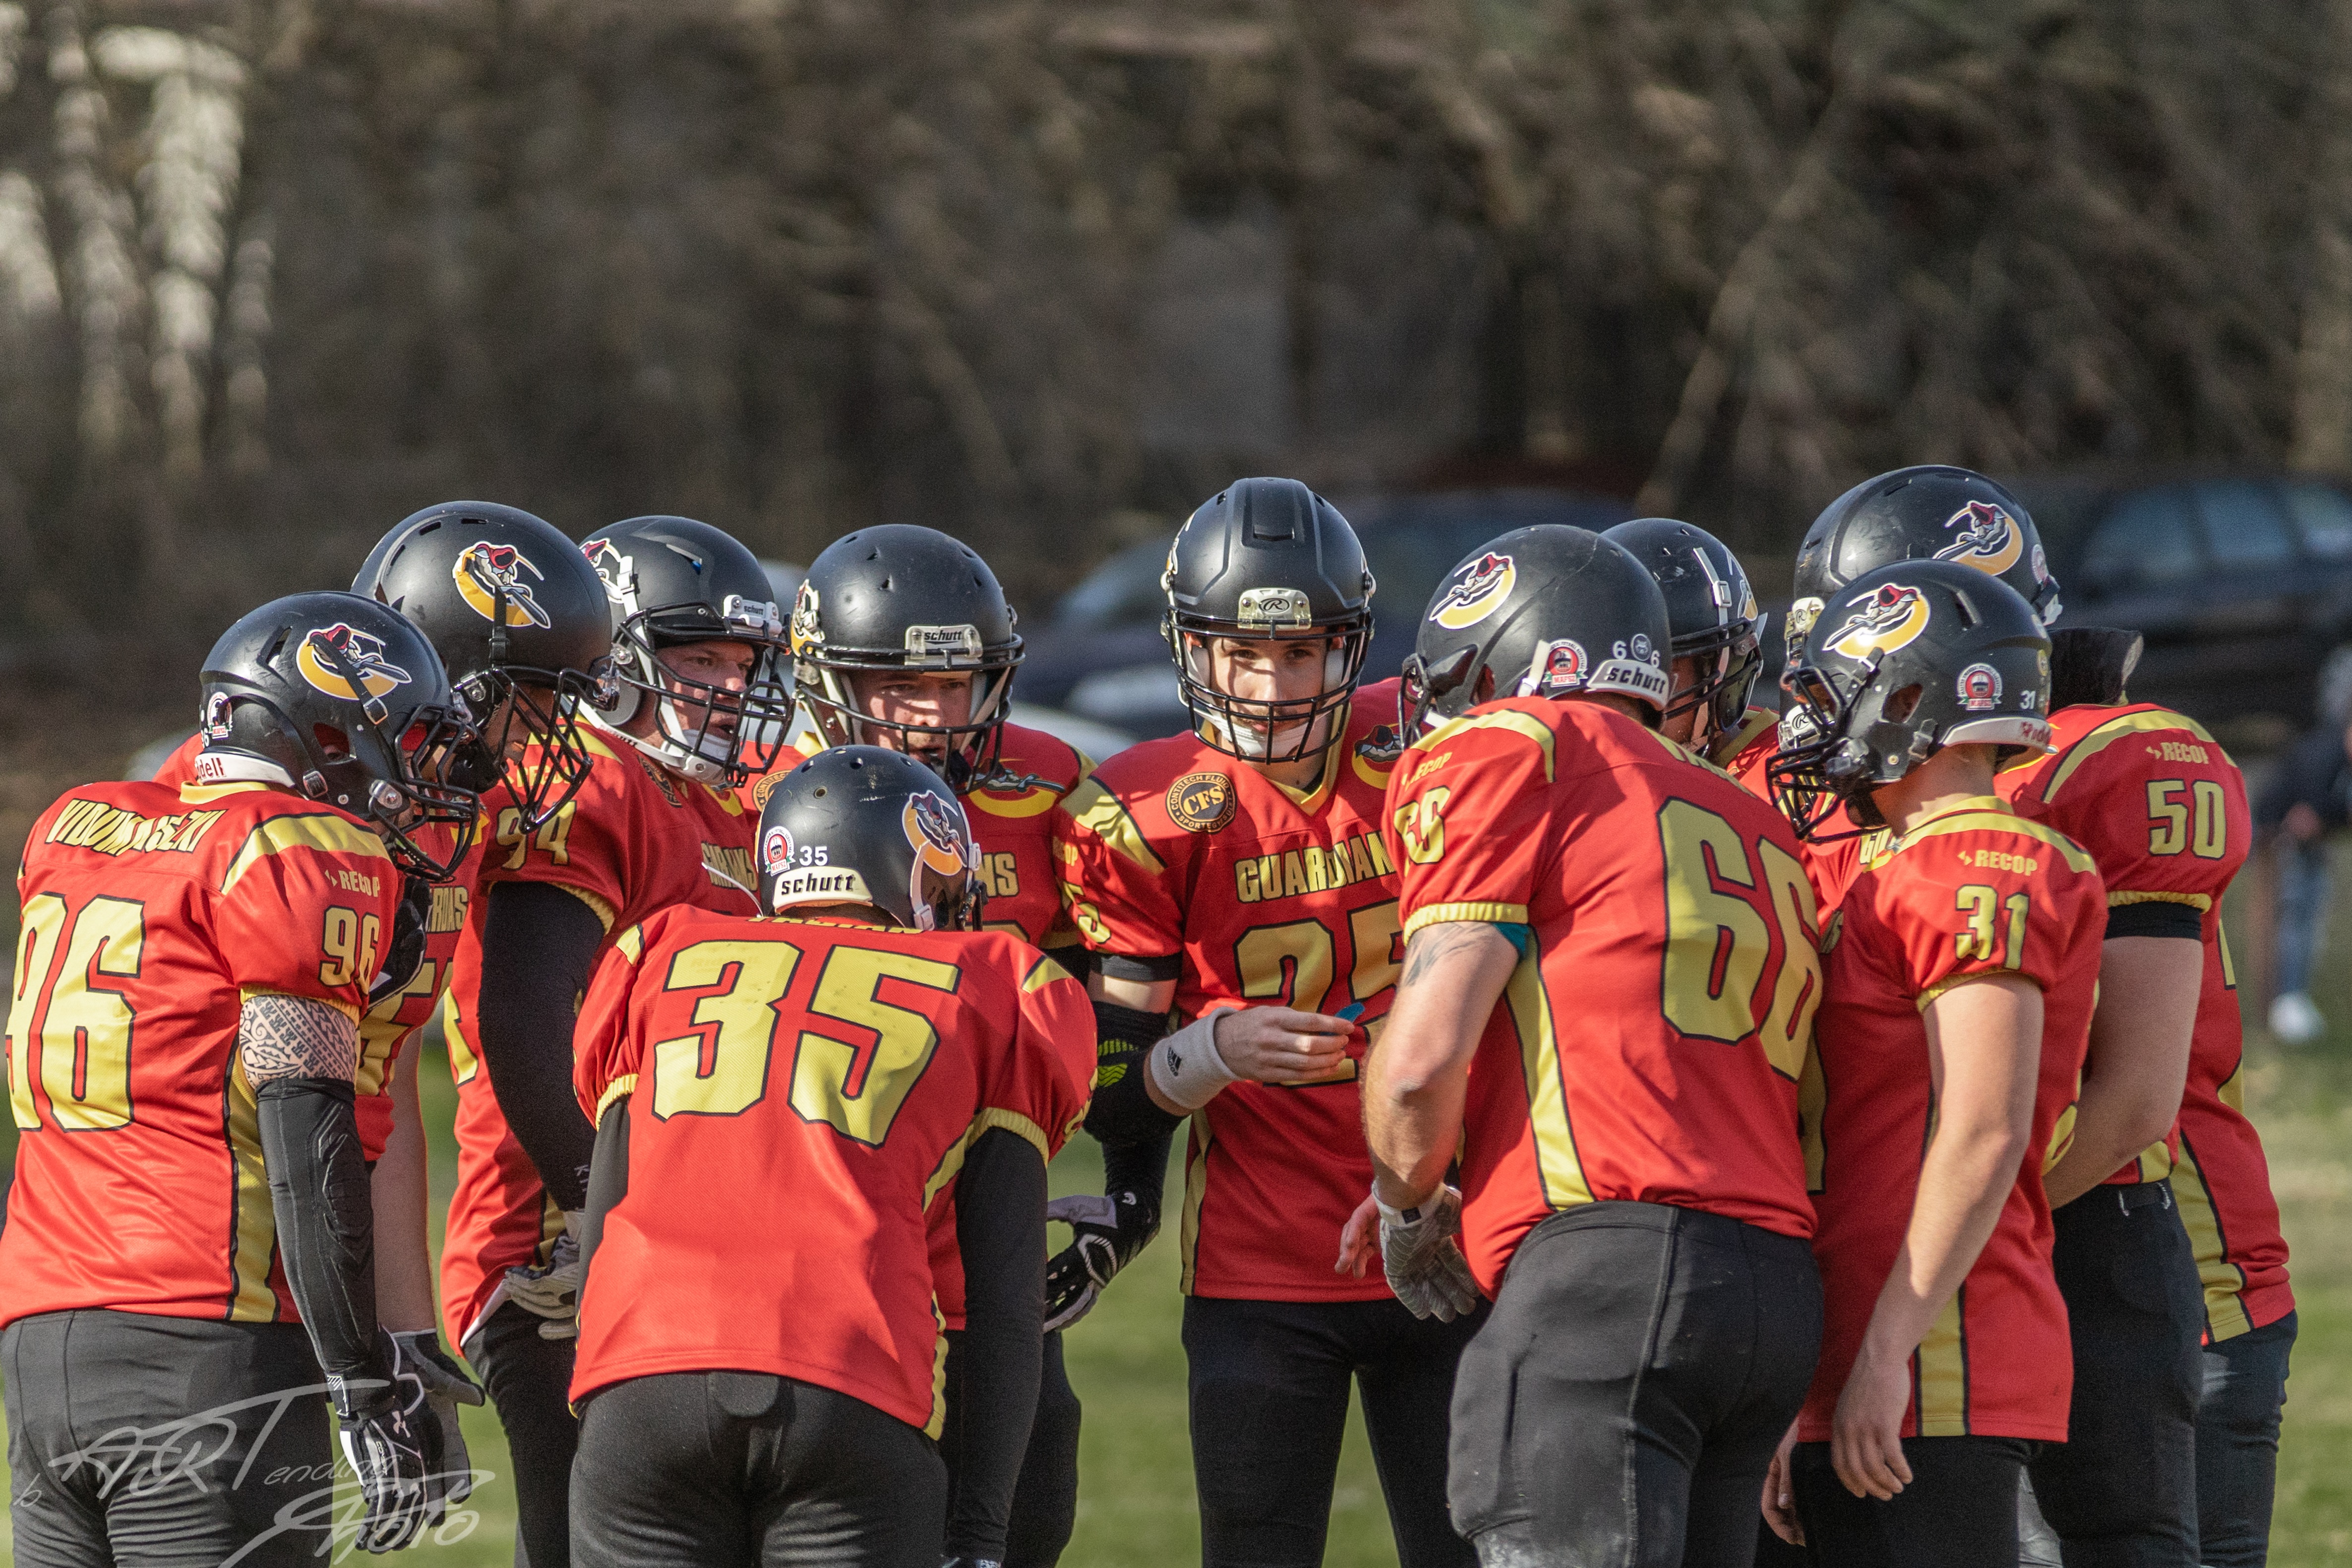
293	1037
1431	945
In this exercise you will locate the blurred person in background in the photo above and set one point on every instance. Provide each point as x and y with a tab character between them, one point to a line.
1717	651
2305	801
1237	876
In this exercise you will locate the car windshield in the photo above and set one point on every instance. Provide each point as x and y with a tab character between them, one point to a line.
1122	591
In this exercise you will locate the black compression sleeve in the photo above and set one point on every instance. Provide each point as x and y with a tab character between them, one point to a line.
2156	917
1139	1167
608	1181
1001	1232
1122	1111
539	946
326	1221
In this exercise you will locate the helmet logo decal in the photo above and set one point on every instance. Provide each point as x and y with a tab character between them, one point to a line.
1979	689
618	572
776	848
1274	609
362	654
2041	565
941	847
1890	618
940	645
484	573
808	625
217	709
1478	594
1988	539
1201	803
1557	667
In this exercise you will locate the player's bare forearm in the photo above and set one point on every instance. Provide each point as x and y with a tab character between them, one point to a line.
397	1188
1415	1079
1984	1047
296	1037
2137	1067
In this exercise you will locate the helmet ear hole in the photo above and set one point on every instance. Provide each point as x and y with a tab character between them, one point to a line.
334	745
1902	704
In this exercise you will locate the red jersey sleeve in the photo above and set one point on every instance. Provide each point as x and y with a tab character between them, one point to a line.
1115	881
305	909
586	846
1971	903
2158	805
1467	810
605	1048
1048	1075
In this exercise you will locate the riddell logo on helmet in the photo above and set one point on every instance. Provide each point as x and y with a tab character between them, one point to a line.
1979	689
485	573
1890	618
329	651
1479	593
1989	541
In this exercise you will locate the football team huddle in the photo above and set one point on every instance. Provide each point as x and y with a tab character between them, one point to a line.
1700	1133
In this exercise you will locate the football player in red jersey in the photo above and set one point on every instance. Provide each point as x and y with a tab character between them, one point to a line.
902	638
518	617
190	1180
1236	874
2162	809
656	821
1717	650
763	1394
1959	988
1620	1091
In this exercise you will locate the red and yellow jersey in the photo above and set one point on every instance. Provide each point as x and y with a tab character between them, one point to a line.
1014	830
1974	890
635	840
1744	752
1271	896
387	1028
149	913
832	1076
2162	809
1649	1045
1830	865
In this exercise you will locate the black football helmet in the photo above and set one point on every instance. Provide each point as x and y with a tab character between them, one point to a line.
1901	662
670	580
861	824
1932	512
1547	611
1710	612
1266	560
521	622
344	700
905	597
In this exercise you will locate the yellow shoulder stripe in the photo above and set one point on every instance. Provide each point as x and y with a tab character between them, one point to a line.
1947	983
631	943
620	1088
2000	819
1756	722
1099	811
322	831
199	794
1511	718
1042	973
1477	914
2118	729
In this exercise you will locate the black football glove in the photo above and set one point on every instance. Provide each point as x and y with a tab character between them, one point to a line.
405	952
1107	1234
390	1441
417	1359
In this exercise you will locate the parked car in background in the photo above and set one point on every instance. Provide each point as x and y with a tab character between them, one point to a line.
1101	656
2240	583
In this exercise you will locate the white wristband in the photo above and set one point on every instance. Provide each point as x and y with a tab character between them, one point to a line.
1185	1067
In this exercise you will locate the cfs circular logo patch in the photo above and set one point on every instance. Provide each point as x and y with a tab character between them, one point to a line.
1988	541
1200	802
1890	618
486	573
1979	688
329	652
1480	593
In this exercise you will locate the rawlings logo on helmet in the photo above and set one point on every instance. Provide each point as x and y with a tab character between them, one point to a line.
1989	541
939	840
1478	594
485	573
617	571
326	652
1890	618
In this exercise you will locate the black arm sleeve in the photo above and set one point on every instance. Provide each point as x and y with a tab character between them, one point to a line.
1001	1232
326	1223
2157	917
608	1182
1122	1111
539	946
1136	1170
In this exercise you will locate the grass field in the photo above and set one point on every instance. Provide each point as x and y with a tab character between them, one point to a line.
1136	1506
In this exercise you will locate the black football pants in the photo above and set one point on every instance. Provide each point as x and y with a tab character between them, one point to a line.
1269	1385
1046	1498
1959	1510
2237	1444
1620	1405
530	1382
2121	1492
137	1441
742	1470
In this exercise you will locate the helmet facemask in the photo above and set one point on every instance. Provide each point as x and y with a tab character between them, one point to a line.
967	755
704	730
1268	729
530	734
1834	734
